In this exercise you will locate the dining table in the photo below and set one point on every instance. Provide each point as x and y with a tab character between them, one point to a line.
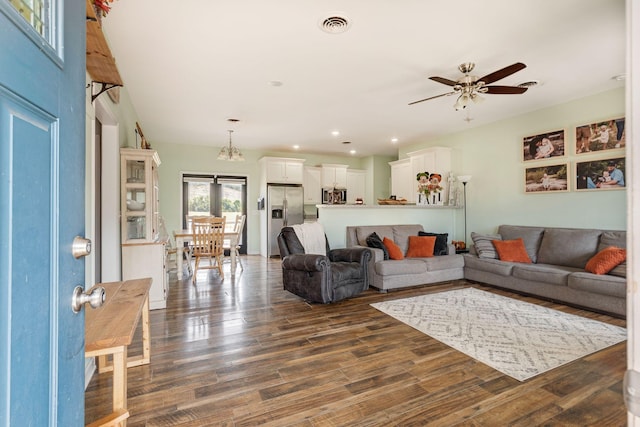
185	236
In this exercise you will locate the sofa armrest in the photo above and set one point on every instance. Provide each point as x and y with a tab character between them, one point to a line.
353	254
305	262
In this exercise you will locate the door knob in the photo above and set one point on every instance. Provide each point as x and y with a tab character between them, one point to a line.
95	298
80	247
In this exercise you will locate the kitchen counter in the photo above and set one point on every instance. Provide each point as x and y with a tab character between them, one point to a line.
436	218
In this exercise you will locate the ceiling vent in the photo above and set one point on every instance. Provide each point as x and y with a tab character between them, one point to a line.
529	84
334	24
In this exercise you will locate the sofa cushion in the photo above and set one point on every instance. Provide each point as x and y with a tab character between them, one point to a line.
374	241
619	239
438	263
395	268
598	284
512	250
421	246
483	244
567	246
545	273
532	237
441	247
488	264
402	232
395	253
606	260
365	231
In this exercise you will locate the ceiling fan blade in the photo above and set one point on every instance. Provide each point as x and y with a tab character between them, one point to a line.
501	74
443	81
433	97
505	90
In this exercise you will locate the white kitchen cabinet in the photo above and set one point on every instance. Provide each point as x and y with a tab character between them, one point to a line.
147	260
312	185
334	176
283	170
356	185
403	183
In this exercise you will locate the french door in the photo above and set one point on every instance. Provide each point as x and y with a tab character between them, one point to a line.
217	195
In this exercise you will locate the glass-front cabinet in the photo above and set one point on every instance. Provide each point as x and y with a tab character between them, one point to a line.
139	195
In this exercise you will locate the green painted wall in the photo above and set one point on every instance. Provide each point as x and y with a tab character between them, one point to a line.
492	154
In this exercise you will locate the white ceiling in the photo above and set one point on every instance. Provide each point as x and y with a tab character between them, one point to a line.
190	65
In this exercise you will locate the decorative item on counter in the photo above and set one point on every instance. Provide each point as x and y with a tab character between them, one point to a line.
359	201
459	245
429	189
453	190
395	201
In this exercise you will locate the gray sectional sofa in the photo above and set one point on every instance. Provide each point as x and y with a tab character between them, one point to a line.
557	271
392	274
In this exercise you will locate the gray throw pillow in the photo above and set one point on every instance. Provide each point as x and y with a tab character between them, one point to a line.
484	245
441	242
374	241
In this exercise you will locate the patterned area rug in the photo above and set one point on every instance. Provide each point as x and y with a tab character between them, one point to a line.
517	338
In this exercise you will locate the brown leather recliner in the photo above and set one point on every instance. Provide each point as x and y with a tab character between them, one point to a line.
341	274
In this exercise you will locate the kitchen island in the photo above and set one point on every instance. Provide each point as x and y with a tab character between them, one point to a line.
436	218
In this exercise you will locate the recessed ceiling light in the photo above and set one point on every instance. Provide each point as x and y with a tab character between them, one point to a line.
295	147
352	151
335	133
394	140
275	83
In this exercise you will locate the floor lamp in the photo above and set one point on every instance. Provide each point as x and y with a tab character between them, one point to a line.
464	179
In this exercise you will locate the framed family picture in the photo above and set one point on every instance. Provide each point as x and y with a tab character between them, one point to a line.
600	136
543	146
546	178
604	174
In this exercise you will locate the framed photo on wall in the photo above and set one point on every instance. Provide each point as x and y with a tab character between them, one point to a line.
544	179
600	136
603	174
543	146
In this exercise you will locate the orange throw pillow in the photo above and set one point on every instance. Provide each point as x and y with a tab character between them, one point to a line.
421	246
512	250
606	260
394	250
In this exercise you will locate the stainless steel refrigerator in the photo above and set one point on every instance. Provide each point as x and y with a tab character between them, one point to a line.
285	207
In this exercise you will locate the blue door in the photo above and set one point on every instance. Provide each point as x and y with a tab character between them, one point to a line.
42	137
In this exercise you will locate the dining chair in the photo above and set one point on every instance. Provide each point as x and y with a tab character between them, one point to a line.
208	234
233	243
188	250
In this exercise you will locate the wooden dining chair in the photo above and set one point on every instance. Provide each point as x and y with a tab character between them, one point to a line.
235	242
208	235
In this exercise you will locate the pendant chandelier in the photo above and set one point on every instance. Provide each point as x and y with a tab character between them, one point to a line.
230	153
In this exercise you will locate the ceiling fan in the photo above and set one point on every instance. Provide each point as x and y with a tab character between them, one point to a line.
468	87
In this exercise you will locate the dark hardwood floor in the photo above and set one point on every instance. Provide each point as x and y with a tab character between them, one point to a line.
245	352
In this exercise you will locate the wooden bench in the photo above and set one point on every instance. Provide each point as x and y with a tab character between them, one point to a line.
109	330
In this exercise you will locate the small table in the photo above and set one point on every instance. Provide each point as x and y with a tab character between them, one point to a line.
183	236
109	330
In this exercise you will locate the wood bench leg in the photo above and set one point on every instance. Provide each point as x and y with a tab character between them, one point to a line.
120	381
